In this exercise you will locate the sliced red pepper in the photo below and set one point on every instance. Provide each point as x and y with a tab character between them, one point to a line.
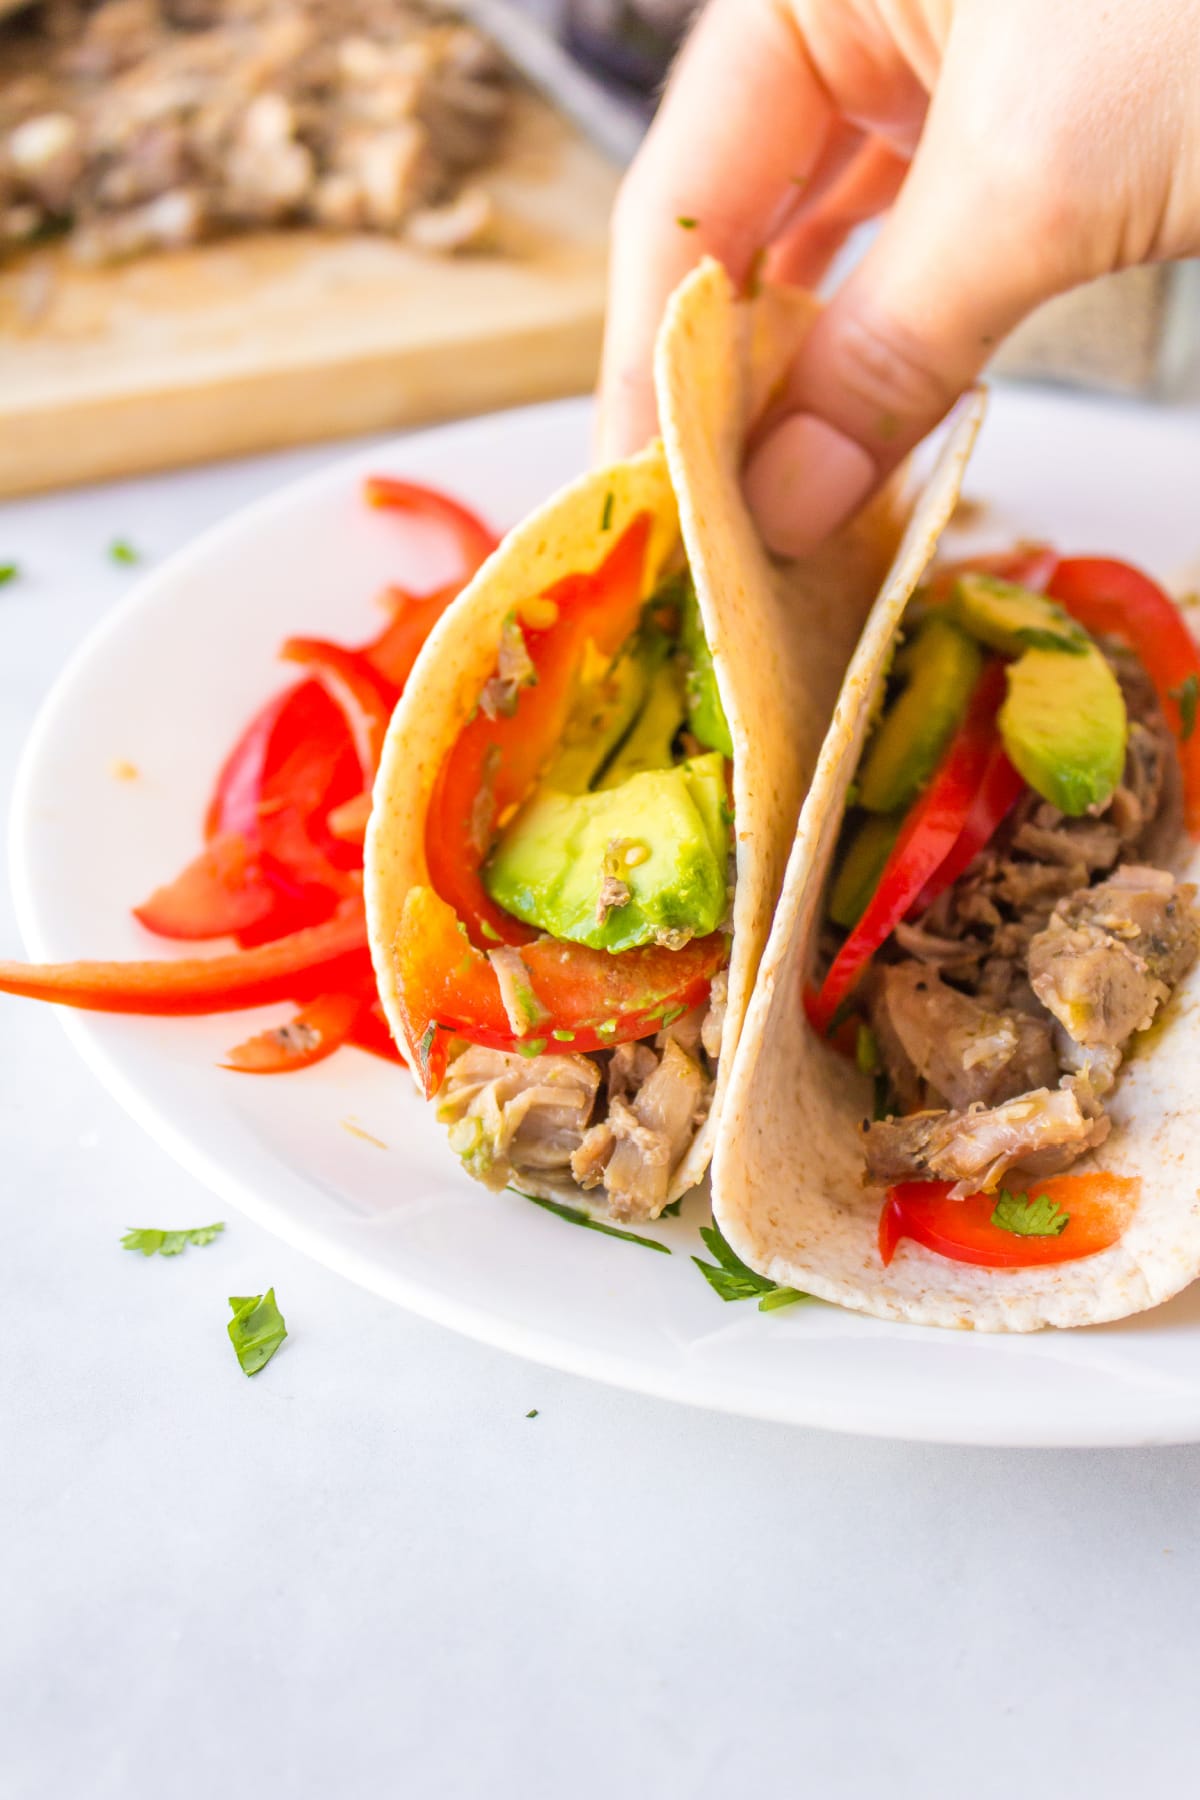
1099	1208
321	1026
292	765
393	653
933	826
474	540
223	891
494	762
309	962
365	698
1000	788
1110	596
372	1032
585	999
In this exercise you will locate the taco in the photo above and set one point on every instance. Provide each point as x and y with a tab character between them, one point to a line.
965	1094
581	819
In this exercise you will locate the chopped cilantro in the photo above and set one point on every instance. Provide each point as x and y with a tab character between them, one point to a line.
606	517
8	572
686	224
1185	697
121	551
732	1279
573	1216
1026	1217
532	1413
256	1329
672	1211
150	1240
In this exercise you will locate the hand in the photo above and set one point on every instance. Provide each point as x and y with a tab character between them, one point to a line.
1022	146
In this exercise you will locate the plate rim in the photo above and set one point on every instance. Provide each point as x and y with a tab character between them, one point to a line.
871	1416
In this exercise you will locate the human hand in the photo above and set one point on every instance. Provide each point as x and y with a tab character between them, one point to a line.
1022	146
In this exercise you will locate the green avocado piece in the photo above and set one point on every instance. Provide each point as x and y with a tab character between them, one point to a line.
648	745
705	713
1010	618
941	667
861	866
1064	727
602	717
561	851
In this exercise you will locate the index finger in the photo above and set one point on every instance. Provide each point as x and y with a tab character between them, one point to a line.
743	124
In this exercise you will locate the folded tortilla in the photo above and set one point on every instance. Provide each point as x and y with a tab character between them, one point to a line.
780	636
788	1174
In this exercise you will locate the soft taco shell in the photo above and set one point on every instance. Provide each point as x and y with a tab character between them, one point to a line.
780	640
787	1180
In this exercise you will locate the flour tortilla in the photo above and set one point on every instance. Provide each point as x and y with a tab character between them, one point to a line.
787	1177
780	637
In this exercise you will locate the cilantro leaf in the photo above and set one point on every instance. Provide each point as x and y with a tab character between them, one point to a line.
149	1239
8	572
732	1279
1185	697
573	1216
686	224
672	1211
1026	1217
532	1413
121	551
256	1329
606	517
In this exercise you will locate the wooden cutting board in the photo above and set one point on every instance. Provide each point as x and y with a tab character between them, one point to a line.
281	338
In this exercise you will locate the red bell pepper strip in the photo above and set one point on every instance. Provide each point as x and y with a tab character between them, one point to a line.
929	833
372	1032
472	536
1099	1208
494	762
321	1026
999	790
580	999
223	891
303	715
309	962
365	699
1109	596
393	653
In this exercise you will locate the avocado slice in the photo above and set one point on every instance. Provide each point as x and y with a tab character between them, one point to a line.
941	666
1011	618
1064	726
602	717
705	713
861	866
648	745
642	863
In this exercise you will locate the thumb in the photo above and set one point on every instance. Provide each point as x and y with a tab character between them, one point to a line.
957	264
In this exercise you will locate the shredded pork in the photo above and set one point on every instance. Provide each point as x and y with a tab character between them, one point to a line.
135	125
1002	1025
618	1122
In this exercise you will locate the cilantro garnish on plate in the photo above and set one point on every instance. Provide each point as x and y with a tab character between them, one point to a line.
151	1241
732	1279
256	1329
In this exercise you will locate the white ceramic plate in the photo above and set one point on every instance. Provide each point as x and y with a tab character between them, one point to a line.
167	682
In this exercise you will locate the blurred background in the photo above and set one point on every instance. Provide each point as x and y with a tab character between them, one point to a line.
233	225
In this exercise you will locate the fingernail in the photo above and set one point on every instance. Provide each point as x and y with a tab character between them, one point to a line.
804	481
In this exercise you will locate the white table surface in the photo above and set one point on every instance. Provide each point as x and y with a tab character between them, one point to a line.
366	1572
